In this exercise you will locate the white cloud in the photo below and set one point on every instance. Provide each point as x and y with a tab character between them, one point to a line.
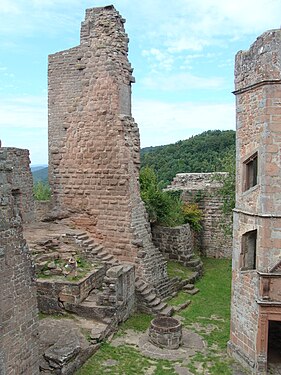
163	123
181	81
23	124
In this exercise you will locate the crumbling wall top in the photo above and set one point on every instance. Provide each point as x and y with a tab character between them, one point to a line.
261	63
102	23
196	181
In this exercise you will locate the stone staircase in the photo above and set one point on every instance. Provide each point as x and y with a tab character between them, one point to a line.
90	309
94	250
195	264
148	300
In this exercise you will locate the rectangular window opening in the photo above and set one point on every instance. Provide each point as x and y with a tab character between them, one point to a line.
251	171
249	250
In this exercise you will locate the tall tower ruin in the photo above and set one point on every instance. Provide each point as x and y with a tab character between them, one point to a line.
94	143
18	304
256	275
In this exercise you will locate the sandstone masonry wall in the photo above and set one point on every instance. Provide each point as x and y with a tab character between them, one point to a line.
18	307
258	122
202	188
94	143
22	180
176	243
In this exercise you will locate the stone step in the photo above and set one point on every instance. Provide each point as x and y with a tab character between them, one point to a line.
99	332
147	290
188	287
77	235
192	291
182	306
84	237
167	311
161	306
150	297
90	310
106	257
103	254
141	288
192	278
155	302
199	267
113	261
88	242
139	284
193	262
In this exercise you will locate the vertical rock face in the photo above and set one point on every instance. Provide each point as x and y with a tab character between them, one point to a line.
22	180
94	142
18	305
257	218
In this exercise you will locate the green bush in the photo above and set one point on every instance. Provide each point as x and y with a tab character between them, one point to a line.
164	207
192	215
41	191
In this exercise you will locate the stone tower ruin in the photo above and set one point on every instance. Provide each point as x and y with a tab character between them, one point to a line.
256	296
18	305
94	144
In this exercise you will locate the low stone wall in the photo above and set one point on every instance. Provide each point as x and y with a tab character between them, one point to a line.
119	290
175	243
51	293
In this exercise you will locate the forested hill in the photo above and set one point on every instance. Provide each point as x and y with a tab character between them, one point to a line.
205	152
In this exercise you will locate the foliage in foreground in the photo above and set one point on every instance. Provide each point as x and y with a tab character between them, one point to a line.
41	191
165	207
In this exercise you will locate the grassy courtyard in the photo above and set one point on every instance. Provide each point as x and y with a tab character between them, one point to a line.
208	315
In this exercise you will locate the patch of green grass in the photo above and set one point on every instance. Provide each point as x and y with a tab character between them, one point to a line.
179	299
212	304
211	364
129	361
137	322
176	269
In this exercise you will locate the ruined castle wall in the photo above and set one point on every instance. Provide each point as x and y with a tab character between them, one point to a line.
176	243
18	307
22	180
94	142
257	209
215	239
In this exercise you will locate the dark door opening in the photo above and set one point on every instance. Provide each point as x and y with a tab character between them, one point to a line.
274	347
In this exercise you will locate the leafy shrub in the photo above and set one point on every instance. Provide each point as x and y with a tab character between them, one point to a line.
162	207
41	191
165	207
192	215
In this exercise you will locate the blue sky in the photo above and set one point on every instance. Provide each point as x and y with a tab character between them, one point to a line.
182	53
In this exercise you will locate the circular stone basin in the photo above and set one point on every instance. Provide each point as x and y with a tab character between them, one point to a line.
165	332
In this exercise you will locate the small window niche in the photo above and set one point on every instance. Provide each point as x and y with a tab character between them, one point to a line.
251	172
249	250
